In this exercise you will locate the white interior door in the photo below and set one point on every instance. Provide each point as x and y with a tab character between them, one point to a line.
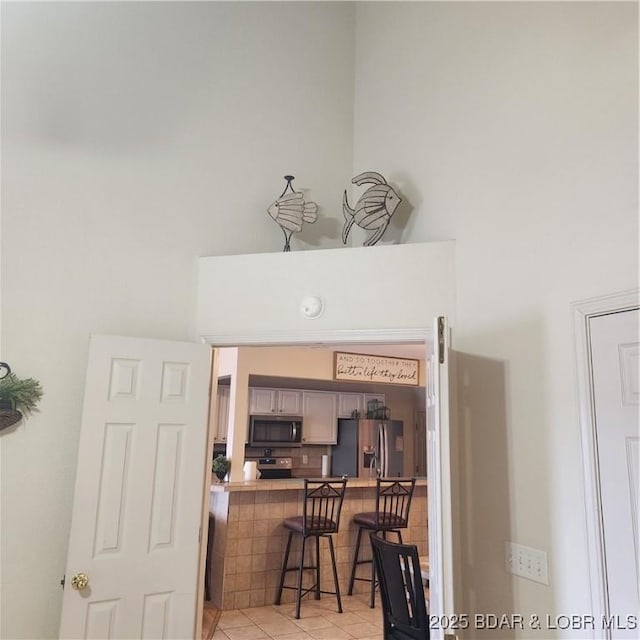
441	593
139	490
615	353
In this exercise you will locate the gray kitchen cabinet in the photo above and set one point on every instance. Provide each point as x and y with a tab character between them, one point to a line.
285	401
319	417
262	400
222	421
289	402
348	403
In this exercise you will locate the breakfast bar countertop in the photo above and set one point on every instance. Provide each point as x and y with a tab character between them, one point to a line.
293	483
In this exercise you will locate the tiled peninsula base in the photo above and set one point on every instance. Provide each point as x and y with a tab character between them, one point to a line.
249	539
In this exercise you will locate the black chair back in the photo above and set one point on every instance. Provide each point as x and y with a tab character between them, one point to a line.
322	506
404	610
393	500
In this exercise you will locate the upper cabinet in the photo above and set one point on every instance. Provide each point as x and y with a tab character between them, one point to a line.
289	402
262	400
320	417
285	401
348	403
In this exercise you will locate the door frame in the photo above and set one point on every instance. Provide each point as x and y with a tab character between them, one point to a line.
583	311
303	337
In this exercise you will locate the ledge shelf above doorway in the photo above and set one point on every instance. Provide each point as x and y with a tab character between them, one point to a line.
391	287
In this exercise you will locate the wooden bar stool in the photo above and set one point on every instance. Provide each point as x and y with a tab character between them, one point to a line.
393	501
322	504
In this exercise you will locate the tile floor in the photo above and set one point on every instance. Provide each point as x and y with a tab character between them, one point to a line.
319	620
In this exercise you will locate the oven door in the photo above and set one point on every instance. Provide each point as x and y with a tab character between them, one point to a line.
274	431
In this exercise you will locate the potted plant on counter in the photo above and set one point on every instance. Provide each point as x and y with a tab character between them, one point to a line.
221	465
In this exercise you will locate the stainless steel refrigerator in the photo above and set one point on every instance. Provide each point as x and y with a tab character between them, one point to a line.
368	448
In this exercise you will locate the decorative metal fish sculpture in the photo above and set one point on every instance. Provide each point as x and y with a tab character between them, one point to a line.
290	211
374	208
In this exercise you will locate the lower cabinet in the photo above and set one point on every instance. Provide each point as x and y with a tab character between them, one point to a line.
320	417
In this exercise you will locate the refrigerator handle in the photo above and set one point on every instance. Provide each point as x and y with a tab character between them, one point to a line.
382	454
385	434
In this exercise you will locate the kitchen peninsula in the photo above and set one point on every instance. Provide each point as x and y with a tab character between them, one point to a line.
249	539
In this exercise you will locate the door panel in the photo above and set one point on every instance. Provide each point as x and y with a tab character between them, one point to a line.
289	402
262	400
320	417
350	405
615	357
139	490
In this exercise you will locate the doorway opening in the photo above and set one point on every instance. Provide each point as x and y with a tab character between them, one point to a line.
172	403
309	366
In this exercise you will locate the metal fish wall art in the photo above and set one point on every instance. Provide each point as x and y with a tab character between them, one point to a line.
374	208
291	210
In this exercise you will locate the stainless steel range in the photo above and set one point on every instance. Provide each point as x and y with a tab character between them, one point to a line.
274	468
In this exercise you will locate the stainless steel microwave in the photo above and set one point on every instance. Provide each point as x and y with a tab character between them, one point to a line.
275	431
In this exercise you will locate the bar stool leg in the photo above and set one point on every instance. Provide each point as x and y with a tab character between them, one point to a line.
284	568
335	573
355	562
300	571
372	599
317	596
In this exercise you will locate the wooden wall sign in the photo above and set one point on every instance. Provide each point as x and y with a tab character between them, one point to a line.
359	367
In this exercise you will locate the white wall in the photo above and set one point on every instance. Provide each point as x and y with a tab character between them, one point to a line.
310	363
512	127
138	136
135	138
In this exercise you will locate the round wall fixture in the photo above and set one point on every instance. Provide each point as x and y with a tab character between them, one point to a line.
312	307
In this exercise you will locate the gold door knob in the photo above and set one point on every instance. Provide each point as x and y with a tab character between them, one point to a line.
80	581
